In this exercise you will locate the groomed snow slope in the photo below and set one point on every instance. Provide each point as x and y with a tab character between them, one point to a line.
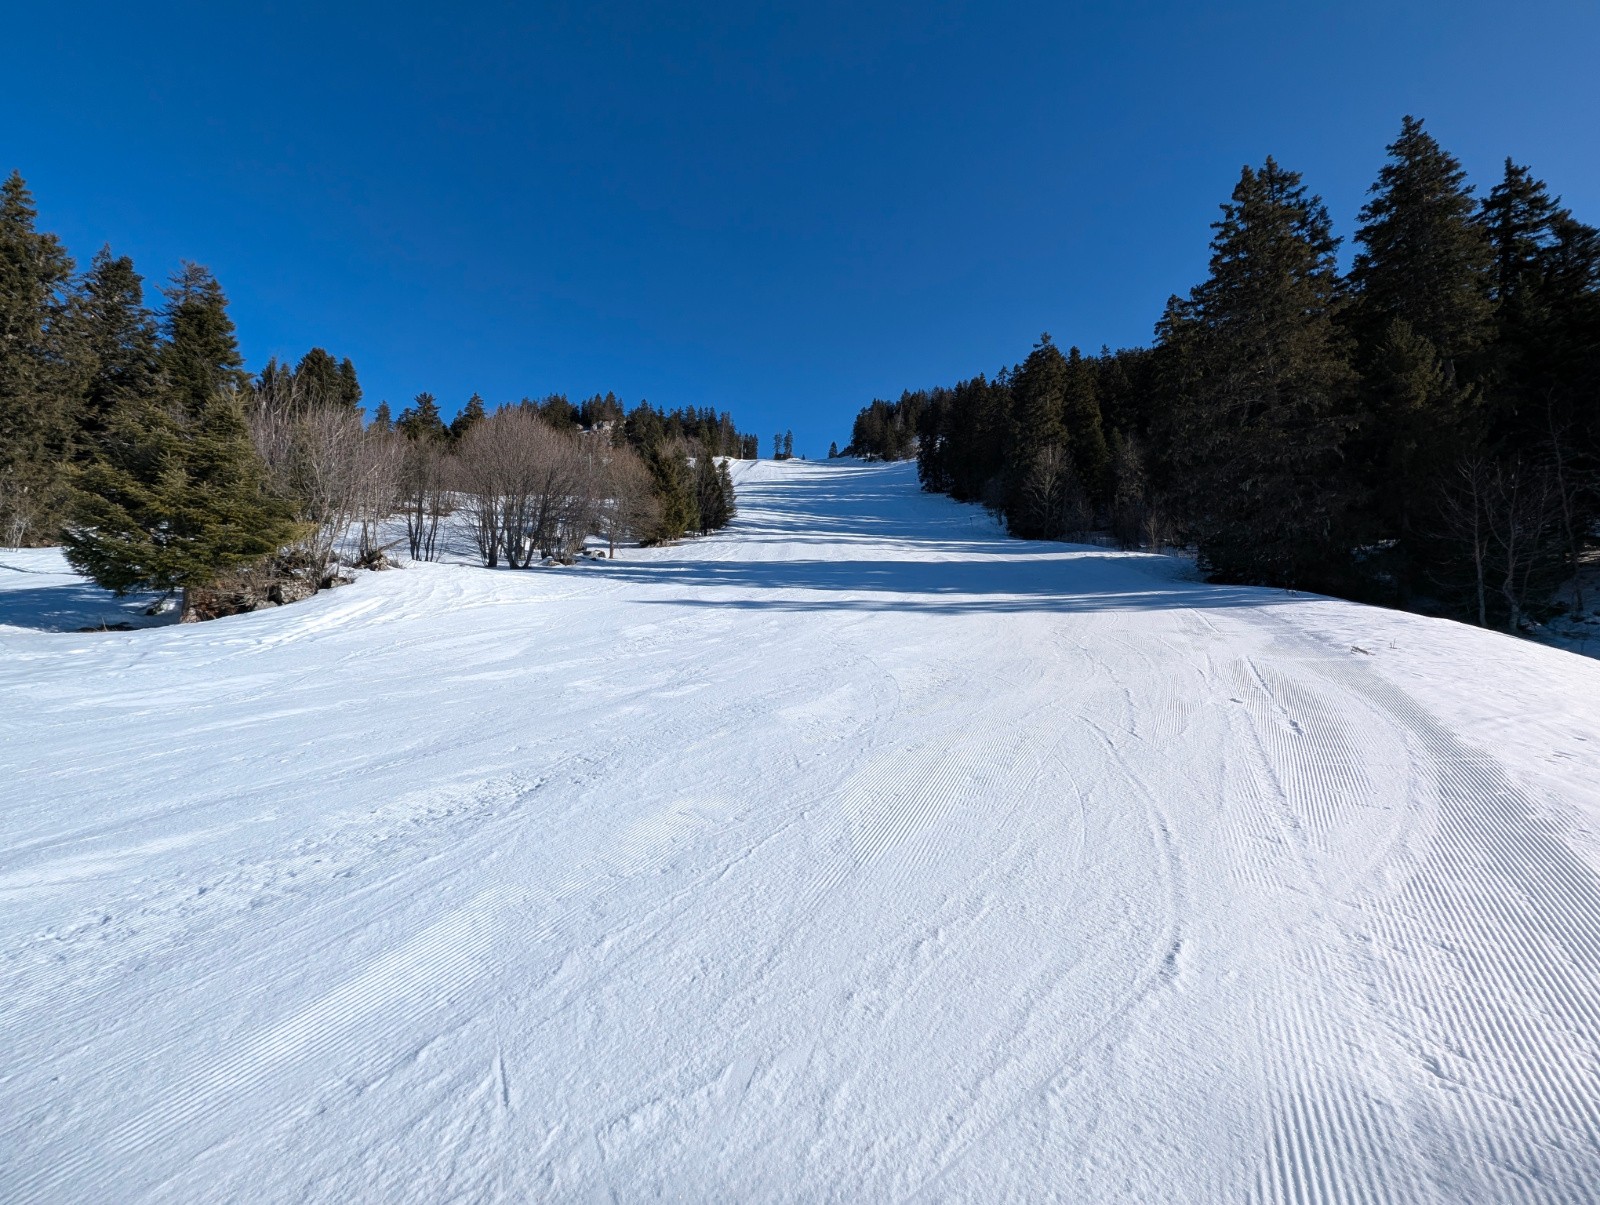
857	853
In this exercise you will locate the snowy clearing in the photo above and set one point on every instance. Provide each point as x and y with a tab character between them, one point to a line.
855	853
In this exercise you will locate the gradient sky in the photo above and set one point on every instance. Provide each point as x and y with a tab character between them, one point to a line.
782	210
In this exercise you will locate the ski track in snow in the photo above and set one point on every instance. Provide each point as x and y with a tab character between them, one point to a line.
854	853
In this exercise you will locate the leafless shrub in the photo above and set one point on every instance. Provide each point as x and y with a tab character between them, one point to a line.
426	493
628	509
525	484
338	473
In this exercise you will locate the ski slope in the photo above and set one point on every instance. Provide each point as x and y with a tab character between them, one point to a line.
856	853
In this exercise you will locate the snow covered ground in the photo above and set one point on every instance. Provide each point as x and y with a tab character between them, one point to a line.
856	853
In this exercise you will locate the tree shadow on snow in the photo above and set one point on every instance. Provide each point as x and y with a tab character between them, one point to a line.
1060	581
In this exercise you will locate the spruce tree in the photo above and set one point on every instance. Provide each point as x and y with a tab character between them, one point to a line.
674	486
1036	441
1422	315
319	381
381	421
467	418
1085	431
1267	389
201	355
177	497
710	503
1423	258
118	336
421	420
36	386
728	504
349	386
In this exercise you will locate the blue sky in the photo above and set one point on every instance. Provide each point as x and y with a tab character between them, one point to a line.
780	210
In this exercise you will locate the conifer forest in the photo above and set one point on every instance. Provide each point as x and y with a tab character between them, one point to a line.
1421	430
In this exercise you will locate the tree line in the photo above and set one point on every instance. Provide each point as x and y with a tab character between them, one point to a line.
1422	430
135	437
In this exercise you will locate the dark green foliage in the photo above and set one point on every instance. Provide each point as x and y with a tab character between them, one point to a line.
201	355
887	430
322	381
674	485
1269	391
37	379
1086	437
176	498
380	417
713	491
1423	258
470	416
1039	481
421	420
117	339
1425	433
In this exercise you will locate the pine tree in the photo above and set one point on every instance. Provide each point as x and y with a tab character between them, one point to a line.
36	389
201	355
469	416
380	418
1266	389
177	497
118	336
833	450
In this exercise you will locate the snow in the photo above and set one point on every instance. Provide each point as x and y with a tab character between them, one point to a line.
854	853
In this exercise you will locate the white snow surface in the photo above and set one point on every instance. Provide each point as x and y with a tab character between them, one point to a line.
856	853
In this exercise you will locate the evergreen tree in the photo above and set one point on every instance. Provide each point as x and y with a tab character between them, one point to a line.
177	497
201	355
349	386
1086	437
674	485
380	418
728	505
711	503
469	416
1036	442
1422	314
421	420
833	450
788	445
318	380
1423	258
117	335
1267	389
36	388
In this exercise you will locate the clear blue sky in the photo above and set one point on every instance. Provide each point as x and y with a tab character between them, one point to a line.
781	210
